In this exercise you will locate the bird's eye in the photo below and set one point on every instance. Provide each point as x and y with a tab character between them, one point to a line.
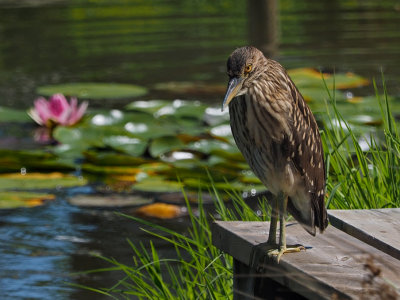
248	68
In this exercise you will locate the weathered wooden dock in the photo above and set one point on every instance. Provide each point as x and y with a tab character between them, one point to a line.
356	258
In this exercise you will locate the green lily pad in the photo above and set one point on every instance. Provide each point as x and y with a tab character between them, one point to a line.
91	90
180	108
152	129
14	161
319	94
12	199
215	116
117	117
208	146
129	145
156	168
164	144
39	181
110	170
149	106
306	77
346	81
13	115
109	158
157	185
105	200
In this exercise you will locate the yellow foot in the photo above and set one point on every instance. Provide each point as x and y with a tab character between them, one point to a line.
276	254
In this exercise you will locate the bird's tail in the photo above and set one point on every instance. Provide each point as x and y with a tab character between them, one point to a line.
318	218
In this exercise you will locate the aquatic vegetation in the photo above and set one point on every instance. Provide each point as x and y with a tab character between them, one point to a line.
146	146
94	90
57	111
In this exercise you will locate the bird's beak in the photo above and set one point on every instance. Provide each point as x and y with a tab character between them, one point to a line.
234	86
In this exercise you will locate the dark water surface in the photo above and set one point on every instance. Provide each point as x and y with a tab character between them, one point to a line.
148	42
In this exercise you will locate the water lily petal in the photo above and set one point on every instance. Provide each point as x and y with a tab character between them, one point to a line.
57	111
76	114
58	105
35	116
42	111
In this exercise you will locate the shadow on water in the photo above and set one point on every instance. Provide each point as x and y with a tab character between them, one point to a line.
45	42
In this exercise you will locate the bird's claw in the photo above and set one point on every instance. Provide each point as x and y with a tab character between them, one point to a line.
276	254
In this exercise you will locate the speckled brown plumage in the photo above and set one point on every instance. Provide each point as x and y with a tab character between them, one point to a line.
276	132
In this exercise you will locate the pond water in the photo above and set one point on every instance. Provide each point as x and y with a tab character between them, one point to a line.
146	43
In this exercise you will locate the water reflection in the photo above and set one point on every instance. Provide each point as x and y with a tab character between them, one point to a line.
149	43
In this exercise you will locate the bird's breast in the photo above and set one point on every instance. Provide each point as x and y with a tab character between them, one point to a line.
259	137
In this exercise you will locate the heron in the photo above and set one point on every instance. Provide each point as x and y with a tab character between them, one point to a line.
278	136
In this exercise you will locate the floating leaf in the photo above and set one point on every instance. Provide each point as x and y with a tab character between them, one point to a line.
105	200
39	181
215	116
152	129
319	94
13	115
307	77
161	211
129	145
92	90
14	161
164	144
233	185
124	170
346	81
156	168
148	106
157	184
11	199
365	120
108	158
180	109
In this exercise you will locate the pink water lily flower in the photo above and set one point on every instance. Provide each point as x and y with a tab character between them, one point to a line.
57	111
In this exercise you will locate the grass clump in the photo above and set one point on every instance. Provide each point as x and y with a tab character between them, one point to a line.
198	270
360	178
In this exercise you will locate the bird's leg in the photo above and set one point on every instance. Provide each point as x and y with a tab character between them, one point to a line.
283	199
274	222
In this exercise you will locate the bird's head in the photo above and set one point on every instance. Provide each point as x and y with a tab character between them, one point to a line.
243	67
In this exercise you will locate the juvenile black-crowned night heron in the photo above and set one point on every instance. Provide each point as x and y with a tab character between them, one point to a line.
279	137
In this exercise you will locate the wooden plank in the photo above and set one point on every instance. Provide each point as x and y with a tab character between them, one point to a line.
379	228
332	265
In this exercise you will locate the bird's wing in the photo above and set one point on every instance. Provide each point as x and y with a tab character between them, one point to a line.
305	149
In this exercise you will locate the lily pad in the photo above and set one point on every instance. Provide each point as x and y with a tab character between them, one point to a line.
13	115
149	106
180	108
161	211
14	161
156	184
11	199
215	116
113	170
39	181
307	77
109	158
164	144
91	90
126	144
104	200
318	94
